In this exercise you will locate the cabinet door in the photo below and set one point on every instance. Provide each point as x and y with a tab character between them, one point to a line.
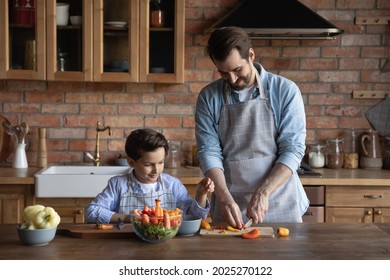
11	208
70	214
22	40
382	215
348	215
162	48
69	47
115	41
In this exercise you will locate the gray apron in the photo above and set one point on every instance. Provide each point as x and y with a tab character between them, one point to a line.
247	134
132	200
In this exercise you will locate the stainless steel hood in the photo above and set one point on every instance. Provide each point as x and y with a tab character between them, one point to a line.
278	19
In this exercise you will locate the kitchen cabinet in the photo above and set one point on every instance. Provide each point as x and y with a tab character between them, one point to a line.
13	200
71	210
114	43
360	204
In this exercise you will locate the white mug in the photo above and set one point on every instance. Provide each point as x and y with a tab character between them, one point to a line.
62	14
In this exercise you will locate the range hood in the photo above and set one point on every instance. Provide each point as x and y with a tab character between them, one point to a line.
278	19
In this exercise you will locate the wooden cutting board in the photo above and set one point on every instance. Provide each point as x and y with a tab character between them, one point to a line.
90	231
264	232
6	145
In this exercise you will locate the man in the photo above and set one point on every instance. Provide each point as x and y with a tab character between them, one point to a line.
250	132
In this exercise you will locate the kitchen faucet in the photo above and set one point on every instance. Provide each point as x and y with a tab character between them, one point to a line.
99	129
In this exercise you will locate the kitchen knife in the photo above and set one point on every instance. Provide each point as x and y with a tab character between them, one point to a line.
248	223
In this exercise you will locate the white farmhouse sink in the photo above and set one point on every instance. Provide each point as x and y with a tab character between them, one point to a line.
75	181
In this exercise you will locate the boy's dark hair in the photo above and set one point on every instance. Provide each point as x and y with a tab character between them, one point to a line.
144	140
223	40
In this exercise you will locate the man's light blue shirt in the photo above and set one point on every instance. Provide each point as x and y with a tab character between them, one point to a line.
288	111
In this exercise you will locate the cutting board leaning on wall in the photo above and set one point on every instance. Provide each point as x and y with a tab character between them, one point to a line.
6	145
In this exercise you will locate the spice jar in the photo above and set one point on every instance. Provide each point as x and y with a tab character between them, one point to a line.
351	155
157	13
317	155
334	156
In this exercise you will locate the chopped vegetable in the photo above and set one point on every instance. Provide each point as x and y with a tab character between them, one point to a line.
167	221
283	231
204	224
103	226
254	233
229	228
158	210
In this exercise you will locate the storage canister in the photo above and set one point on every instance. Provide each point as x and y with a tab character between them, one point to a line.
317	155
334	157
351	155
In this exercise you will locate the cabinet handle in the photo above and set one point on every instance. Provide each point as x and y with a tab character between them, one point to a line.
378	212
369	212
79	212
309	214
373	196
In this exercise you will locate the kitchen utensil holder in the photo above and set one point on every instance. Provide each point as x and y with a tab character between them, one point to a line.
20	159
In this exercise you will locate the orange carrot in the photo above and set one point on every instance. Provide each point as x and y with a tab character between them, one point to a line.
145	219
159	210
167	221
252	234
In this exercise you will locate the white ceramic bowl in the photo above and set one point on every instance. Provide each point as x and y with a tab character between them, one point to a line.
36	237
76	20
190	225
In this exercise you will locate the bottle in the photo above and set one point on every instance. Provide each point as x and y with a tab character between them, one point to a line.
42	152
173	159
334	156
351	155
157	13
316	155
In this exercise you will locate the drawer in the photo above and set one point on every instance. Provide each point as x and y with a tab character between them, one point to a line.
315	194
314	215
358	196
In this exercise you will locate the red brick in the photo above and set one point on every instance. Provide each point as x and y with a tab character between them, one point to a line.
20	108
84	97
122	98
60	108
10	96
137	109
66	86
338	76
175	110
322	99
179	134
19	85
81	121
301	52
124	121
180	98
44	96
320	63
67	133
162	121
105	87
101	108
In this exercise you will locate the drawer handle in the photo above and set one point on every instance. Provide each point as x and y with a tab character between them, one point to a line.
378	212
372	196
79	212
309	214
369	212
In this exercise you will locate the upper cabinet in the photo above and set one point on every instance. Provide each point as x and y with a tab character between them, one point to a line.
92	40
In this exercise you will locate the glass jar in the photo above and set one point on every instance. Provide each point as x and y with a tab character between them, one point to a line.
157	13
351	155
173	159
316	155
334	156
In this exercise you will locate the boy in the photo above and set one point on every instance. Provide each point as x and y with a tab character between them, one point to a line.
146	150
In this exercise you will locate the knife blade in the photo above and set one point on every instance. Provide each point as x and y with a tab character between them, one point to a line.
248	223
120	224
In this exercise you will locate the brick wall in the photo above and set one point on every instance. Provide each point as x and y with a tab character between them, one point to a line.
327	71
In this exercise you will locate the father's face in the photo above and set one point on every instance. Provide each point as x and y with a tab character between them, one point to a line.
237	71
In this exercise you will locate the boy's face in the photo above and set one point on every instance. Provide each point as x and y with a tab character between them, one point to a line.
148	168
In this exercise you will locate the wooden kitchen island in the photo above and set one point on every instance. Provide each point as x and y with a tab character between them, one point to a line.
307	241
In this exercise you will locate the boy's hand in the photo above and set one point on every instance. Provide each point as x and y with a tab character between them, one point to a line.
206	186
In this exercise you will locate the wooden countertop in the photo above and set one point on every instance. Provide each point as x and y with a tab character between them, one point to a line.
345	177
307	241
191	176
13	176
